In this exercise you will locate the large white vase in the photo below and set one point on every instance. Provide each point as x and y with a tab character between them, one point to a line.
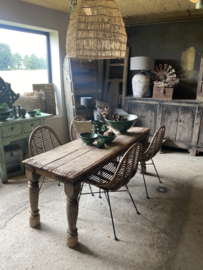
140	85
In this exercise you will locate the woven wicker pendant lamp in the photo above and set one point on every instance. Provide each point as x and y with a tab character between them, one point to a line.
96	31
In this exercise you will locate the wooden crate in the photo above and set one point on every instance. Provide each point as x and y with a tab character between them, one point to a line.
163	93
49	91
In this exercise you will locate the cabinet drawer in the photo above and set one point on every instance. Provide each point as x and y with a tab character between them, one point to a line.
11	130
30	126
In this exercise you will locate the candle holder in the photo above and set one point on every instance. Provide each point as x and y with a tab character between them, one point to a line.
22	112
97	126
14	112
19	114
100	143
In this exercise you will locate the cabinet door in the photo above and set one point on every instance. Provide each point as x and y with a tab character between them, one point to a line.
200	141
170	114
149	115
186	121
136	108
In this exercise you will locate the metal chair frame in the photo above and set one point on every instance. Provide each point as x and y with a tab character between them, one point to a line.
116	175
153	148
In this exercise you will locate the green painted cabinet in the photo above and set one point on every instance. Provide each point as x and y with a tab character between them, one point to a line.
28	127
15	129
11	130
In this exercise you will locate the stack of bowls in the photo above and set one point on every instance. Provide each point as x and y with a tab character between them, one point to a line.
4	113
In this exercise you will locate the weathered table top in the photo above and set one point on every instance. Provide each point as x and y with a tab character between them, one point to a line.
73	161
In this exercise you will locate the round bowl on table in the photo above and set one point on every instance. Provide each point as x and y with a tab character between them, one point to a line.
107	139
122	126
88	138
32	113
4	113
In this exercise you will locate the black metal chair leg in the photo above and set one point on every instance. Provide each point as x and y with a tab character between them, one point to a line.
108	200
100	193
100	188
144	182
80	191
156	171
128	191
91	190
59	183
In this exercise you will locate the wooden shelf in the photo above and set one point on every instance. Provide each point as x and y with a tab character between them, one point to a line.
117	65
110	80
78	106
83	91
80	79
78	65
82	111
84	78
122	80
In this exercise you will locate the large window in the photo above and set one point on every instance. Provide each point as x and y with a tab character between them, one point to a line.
24	58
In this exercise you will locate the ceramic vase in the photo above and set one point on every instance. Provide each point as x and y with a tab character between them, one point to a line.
140	85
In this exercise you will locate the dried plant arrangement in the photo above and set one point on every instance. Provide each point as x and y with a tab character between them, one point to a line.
112	117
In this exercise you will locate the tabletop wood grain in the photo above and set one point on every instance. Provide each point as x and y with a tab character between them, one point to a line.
74	160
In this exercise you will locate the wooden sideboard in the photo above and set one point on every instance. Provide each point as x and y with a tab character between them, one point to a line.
183	120
15	129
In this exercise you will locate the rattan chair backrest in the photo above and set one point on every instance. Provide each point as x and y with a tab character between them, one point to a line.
73	135
42	139
155	144
126	169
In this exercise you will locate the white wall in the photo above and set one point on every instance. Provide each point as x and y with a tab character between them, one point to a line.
56	23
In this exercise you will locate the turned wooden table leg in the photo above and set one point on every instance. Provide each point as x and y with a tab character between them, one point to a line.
33	185
72	193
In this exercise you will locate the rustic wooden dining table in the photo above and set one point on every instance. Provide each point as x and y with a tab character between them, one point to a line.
70	164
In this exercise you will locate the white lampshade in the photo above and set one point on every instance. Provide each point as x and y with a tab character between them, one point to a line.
141	63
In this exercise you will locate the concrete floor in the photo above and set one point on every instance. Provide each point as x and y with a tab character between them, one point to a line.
167	235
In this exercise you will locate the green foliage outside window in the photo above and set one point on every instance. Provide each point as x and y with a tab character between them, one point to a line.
10	61
5	56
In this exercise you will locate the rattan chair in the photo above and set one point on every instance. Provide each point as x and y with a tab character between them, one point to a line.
43	139
73	135
153	148
115	175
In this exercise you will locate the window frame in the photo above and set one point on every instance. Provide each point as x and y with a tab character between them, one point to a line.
26	30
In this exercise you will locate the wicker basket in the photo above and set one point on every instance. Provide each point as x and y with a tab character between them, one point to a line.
96	31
